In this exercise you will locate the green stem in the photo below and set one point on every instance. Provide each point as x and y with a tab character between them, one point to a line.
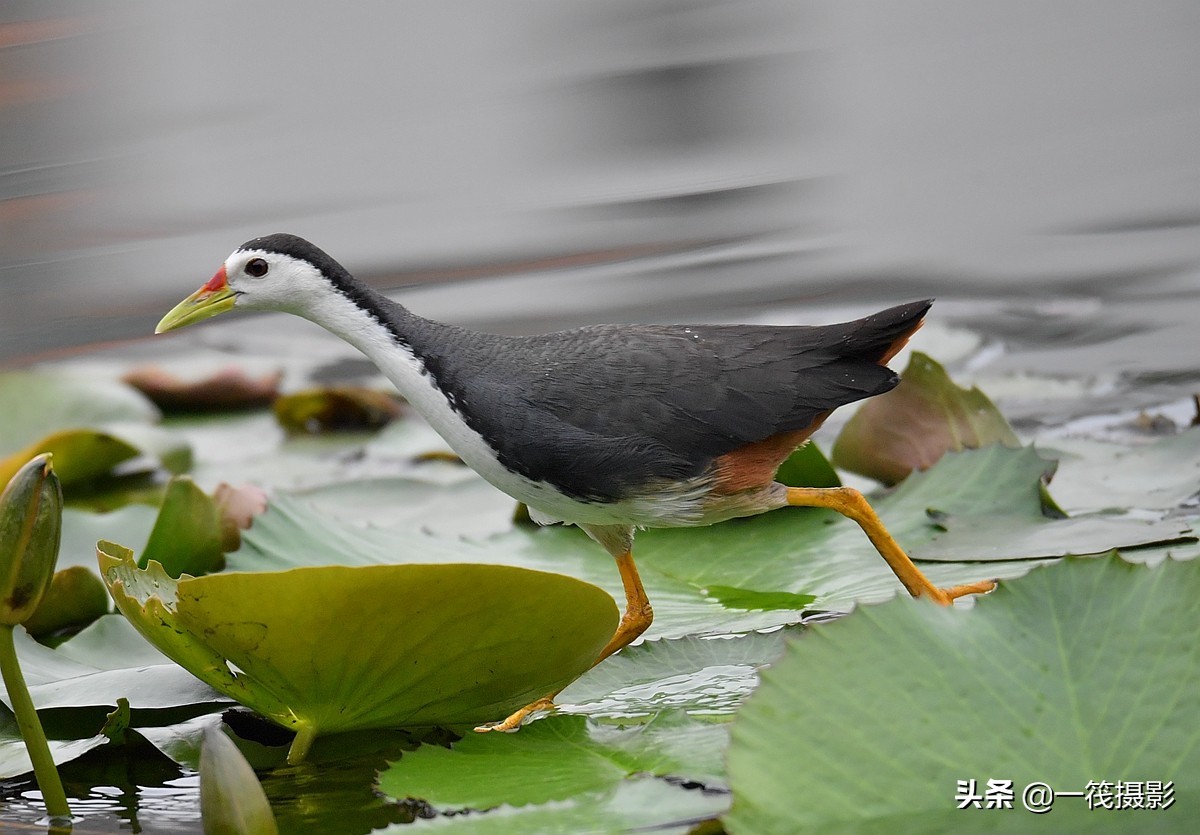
31	728
305	734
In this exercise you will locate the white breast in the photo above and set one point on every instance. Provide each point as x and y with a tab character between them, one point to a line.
673	505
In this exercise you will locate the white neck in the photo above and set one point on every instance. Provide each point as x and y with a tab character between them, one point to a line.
344	319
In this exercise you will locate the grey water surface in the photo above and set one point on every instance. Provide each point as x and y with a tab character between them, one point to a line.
544	163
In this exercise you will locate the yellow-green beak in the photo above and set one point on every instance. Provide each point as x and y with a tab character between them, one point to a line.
213	298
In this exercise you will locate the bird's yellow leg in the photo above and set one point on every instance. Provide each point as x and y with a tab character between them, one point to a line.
851	503
636	620
638	613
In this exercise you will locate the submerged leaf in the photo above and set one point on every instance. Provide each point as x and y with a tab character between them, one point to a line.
916	423
335	648
733	597
1082	671
640	804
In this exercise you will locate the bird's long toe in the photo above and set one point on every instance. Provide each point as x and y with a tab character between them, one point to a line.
948	595
515	720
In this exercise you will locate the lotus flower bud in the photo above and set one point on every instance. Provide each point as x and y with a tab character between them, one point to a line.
232	801
30	530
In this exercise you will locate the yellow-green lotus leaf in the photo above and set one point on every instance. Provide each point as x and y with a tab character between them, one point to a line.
338	648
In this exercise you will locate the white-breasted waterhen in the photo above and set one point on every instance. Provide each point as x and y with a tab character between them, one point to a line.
610	427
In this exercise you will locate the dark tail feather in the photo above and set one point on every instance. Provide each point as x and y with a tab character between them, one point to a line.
880	336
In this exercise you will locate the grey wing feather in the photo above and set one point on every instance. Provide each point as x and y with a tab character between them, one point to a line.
598	411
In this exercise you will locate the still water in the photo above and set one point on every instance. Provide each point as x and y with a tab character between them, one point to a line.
543	163
535	164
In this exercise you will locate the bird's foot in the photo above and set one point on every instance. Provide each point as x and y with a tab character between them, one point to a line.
948	595
513	722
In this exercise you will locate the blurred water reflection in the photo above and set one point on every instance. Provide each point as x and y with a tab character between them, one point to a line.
718	154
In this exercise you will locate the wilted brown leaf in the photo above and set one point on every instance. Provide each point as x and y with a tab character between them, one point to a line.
916	423
237	507
336	409
229	388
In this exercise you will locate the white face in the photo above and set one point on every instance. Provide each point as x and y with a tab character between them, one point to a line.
270	281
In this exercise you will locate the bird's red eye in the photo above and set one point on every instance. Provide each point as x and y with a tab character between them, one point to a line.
256	267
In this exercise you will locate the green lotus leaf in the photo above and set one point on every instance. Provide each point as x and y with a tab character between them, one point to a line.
807	467
556	759
1083	671
186	538
916	423
337	648
1098	475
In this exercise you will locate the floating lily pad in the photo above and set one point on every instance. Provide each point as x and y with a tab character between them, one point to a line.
82	529
918	422
94	674
705	676
636	805
989	504
14	759
567	758
1097	475
1082	671
334	648
90	426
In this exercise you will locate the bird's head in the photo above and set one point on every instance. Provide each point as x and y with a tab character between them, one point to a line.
276	272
